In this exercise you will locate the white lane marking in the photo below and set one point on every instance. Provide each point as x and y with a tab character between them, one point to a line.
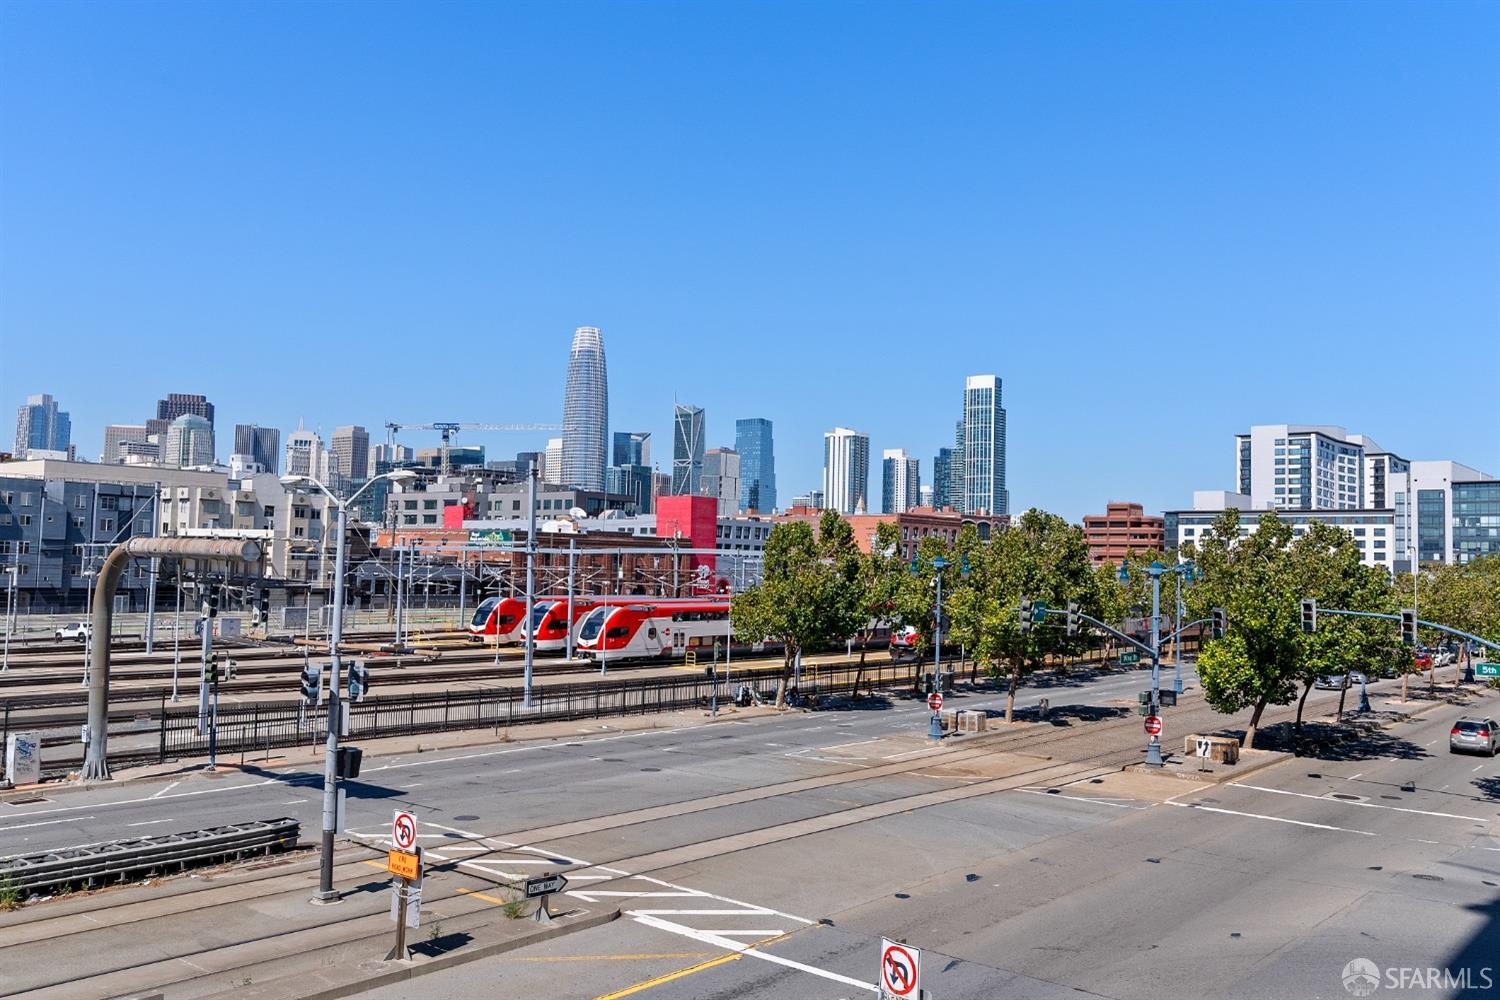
723	899
166	790
773	932
913	753
1353	776
856	743
757	912
728	944
1078	798
1366	805
151	822
653	895
45	822
1476	767
1274	819
1424	841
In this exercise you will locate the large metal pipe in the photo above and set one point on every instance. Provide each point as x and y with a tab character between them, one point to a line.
95	764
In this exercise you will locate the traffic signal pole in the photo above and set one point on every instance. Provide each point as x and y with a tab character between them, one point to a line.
326	893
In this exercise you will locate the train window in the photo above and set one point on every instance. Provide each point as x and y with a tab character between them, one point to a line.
556	626
651	632
618	632
506	619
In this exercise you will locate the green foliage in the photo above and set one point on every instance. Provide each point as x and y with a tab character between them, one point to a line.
1465	597
10	894
813	589
1260	580
1042	557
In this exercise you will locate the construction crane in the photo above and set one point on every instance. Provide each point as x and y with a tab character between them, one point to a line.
448	428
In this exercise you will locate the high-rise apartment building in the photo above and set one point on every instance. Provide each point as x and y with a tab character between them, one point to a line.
178	404
687	449
349	454
190	442
585	412
41	426
846	470
721	478
901	484
634	481
261	445
116	436
983	447
956	469
304	453
552	462
942	477
753	440
631	448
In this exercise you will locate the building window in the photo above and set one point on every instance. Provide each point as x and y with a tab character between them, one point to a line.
81	502
107	503
268	511
28	499
25	520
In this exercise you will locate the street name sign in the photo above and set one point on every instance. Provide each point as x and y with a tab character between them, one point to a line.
545	885
900	971
1487	670
404	830
1130	656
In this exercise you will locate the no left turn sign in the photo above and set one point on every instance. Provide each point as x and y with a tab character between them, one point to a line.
900	972
404	830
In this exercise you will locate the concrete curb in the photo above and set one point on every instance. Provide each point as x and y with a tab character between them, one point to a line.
334	983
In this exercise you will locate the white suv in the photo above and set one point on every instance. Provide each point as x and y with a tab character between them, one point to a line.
77	630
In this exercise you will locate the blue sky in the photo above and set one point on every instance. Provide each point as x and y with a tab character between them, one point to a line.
1158	223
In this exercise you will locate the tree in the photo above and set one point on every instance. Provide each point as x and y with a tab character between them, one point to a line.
1042	557
1261	580
810	592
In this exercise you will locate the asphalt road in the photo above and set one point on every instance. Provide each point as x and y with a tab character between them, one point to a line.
1040	871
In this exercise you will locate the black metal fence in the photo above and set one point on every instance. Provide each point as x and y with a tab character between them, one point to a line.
245	729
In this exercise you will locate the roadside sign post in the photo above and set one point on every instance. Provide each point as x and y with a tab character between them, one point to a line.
1129	657
404	861
1205	749
935	702
540	889
900	971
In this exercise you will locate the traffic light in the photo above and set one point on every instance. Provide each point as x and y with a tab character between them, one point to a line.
1220	623
230	669
211	602
263	608
1409	626
1073	617
1309	615
347	760
359	680
1027	605
312	683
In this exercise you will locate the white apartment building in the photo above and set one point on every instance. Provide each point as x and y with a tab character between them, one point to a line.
981	447
846	471
305	455
900	481
1374	531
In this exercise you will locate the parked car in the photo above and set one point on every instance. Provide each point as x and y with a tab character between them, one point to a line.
1477	735
1336	682
75	630
1422	659
1444	656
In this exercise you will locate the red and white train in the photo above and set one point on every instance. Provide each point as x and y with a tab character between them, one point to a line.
497	619
651	629
502	619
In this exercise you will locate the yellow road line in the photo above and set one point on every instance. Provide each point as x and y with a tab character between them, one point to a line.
640	957
479	895
375	864
680	973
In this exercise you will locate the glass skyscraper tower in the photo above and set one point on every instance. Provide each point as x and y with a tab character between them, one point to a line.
752	439
585	412
982	449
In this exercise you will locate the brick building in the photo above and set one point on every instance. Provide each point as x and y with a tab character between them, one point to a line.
914	525
1123	528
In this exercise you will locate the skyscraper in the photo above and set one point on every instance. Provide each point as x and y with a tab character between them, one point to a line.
900	481
631	448
304	453
349	454
116	435
687	449
178	404
190	442
721	478
846	471
585	412
956	469
552	462
262	445
41	425
942	471
983	447
752	439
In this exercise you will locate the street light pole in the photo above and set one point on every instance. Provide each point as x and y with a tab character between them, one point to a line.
326	892
1153	747
10	605
572	558
530	582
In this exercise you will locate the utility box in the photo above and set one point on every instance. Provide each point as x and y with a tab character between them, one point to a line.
970	721
1221	749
